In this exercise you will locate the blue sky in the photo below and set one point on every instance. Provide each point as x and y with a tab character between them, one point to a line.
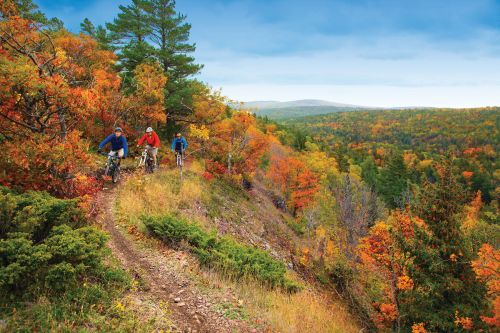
374	53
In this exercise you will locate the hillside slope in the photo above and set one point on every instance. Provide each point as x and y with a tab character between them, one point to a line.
214	302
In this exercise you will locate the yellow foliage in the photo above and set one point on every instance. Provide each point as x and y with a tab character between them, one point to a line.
200	132
320	232
330	248
424	164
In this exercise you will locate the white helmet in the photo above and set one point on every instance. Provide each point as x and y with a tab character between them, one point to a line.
149	129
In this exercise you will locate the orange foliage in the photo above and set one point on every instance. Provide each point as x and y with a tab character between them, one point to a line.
472	212
467	174
294	179
418	328
487	269
465	323
405	283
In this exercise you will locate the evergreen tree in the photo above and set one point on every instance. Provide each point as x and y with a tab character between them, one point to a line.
369	172
393	181
152	29
99	33
439	261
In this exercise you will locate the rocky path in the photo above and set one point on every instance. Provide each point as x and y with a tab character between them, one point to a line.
160	271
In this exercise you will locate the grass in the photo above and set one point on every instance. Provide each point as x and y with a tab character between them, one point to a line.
98	305
223	253
278	311
271	309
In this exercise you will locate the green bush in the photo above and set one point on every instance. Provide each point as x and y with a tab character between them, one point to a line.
222	253
42	244
36	213
52	275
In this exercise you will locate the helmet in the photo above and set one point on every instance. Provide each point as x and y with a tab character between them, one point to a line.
118	129
149	129
178	135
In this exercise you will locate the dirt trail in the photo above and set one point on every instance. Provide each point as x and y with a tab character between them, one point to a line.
159	270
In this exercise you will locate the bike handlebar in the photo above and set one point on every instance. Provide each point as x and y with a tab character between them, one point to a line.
107	154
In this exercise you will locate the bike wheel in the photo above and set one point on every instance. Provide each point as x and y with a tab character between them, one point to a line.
116	174
149	166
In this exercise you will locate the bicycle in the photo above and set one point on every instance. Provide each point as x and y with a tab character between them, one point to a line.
112	167
179	156
147	161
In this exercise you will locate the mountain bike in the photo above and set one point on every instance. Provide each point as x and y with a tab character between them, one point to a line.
112	167
147	161
179	157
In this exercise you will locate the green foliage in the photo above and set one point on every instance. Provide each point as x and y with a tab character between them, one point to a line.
91	306
35	213
42	244
221	253
52	275
152	29
439	261
99	33
393	181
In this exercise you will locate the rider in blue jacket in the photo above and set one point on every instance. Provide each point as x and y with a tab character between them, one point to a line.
179	144
118	143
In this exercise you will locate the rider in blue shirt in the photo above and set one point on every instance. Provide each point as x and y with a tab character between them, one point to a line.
118	143
179	144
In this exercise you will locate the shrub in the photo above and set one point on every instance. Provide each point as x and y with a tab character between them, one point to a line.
222	253
35	213
43	245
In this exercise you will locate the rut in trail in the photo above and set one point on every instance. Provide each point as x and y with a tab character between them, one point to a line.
191	310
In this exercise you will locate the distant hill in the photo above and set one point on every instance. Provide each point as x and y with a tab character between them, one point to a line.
295	109
292	104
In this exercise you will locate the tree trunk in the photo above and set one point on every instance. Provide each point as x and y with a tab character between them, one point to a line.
62	124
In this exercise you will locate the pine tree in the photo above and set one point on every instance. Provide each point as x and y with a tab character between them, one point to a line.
152	29
439	261
99	33
393	181
369	172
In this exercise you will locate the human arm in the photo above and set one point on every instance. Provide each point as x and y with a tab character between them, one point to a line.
105	141
184	143
125	146
141	140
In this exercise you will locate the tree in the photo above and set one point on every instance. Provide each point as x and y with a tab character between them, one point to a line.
393	181
440	260
99	33
152	29
487	269
29	11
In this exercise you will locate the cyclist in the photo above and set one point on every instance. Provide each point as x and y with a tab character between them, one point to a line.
152	143
179	144
118	144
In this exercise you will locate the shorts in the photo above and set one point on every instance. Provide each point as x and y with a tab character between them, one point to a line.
120	152
152	150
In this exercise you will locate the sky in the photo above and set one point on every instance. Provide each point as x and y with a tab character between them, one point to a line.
385	53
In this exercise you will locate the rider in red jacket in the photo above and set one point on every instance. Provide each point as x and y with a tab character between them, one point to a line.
152	140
